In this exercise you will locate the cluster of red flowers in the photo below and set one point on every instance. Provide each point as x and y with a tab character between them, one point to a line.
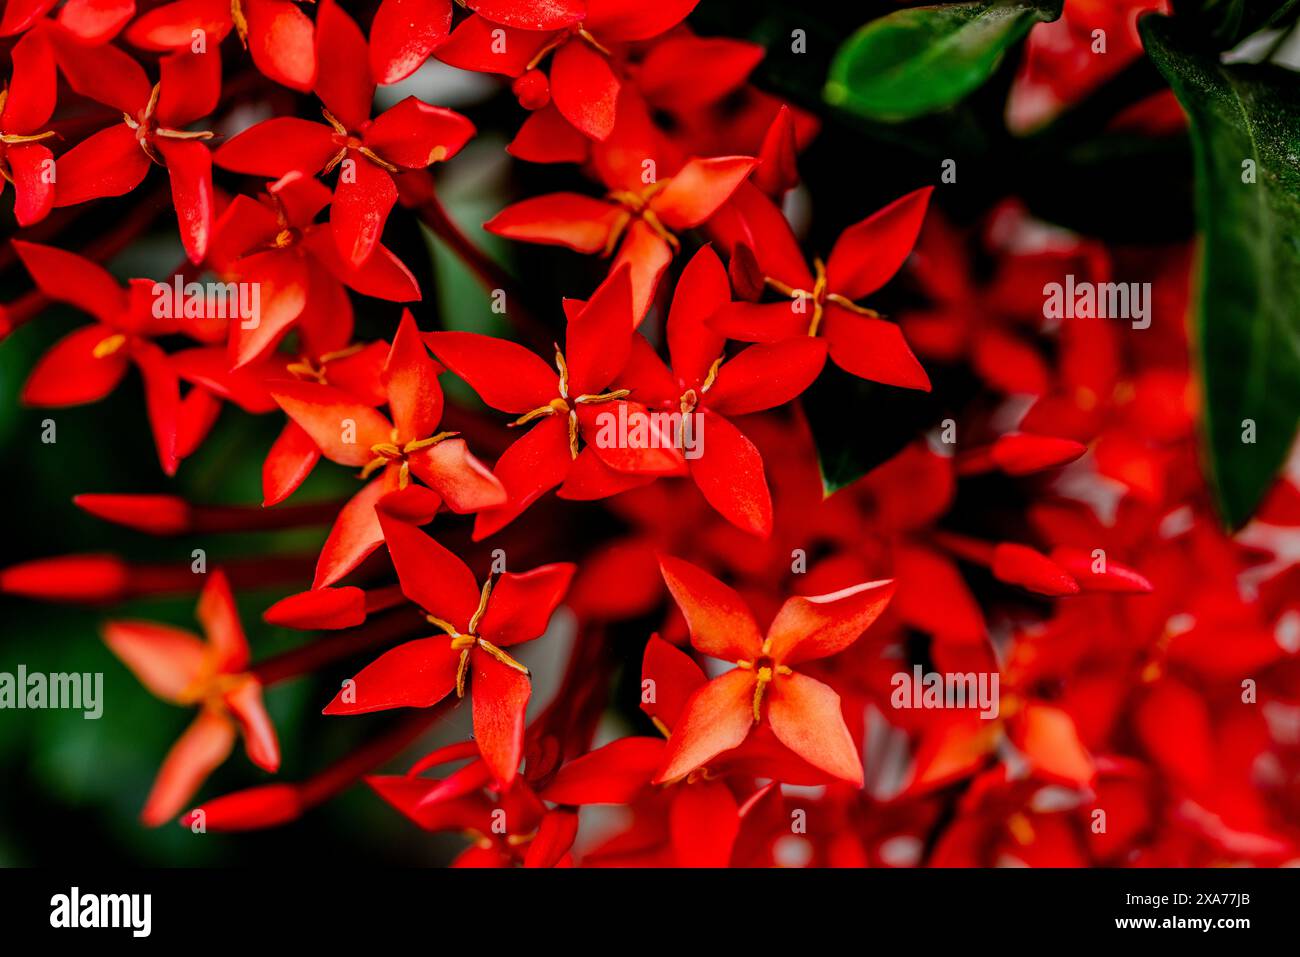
1051	539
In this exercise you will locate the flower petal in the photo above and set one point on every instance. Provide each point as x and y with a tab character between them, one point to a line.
805	715
717	718
521	605
823	625
720	622
869	253
417	674
500	698
206	743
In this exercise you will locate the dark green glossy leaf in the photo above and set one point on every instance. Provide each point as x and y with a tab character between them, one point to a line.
924	59
1247	316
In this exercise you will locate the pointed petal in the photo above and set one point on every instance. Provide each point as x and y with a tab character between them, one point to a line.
260	741
872	349
766	375
167	660
730	475
533	465
869	253
431	576
221	625
33	84
823	625
282	43
278	146
505	375
93	290
579	222
162	398
717	718
404	33
71	374
530	14
599	338
699	188
464	483
189	87
342	426
673	678
547	137
360	209
521	605
805	715
205	744
343	80
612	774
171	26
417	674
721	623
626	20
319	608
584	88
415	135
411	380
109	163
355	534
500	698
189	166
290	460
645	253
701	290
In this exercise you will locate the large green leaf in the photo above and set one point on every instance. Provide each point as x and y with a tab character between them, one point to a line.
925	59
1247	316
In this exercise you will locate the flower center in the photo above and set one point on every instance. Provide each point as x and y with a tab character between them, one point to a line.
766	670
636	205
347	142
466	641
387	453
560	405
818	297
147	129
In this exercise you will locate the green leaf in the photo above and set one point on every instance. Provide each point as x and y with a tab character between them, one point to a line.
925	59
1247	312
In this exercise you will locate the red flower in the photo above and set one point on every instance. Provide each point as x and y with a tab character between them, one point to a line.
411	135
478	624
351	432
115	160
179	667
823	302
640	220
25	106
276	33
274	241
87	364
584	83
565	405
730	471
803	713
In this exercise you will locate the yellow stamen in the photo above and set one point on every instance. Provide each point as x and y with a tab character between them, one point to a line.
108	346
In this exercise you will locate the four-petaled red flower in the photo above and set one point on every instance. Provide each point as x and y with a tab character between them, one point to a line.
184	669
350	432
803	713
477	625
367	153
